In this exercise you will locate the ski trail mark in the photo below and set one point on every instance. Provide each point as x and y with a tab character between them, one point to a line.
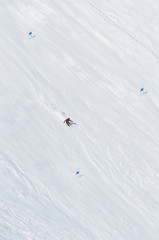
106	18
50	107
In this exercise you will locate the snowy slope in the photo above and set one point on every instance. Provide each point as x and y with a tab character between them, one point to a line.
86	60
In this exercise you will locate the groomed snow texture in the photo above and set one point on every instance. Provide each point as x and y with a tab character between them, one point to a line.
87	60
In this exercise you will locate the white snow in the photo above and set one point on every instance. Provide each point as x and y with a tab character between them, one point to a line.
86	60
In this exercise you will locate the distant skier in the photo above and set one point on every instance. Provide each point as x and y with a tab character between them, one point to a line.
68	121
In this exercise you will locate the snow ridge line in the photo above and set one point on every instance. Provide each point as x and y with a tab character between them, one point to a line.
109	20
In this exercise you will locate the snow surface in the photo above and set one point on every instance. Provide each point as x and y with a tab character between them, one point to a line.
86	60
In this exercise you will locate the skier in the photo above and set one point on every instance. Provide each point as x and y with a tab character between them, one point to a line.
68	121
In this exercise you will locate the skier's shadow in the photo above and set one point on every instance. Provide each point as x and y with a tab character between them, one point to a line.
72	123
29	38
145	92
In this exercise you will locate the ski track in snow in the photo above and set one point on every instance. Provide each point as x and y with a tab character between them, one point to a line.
111	21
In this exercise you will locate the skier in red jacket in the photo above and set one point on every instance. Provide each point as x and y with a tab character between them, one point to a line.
68	121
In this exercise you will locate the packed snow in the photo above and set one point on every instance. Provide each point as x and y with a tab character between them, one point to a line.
96	62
